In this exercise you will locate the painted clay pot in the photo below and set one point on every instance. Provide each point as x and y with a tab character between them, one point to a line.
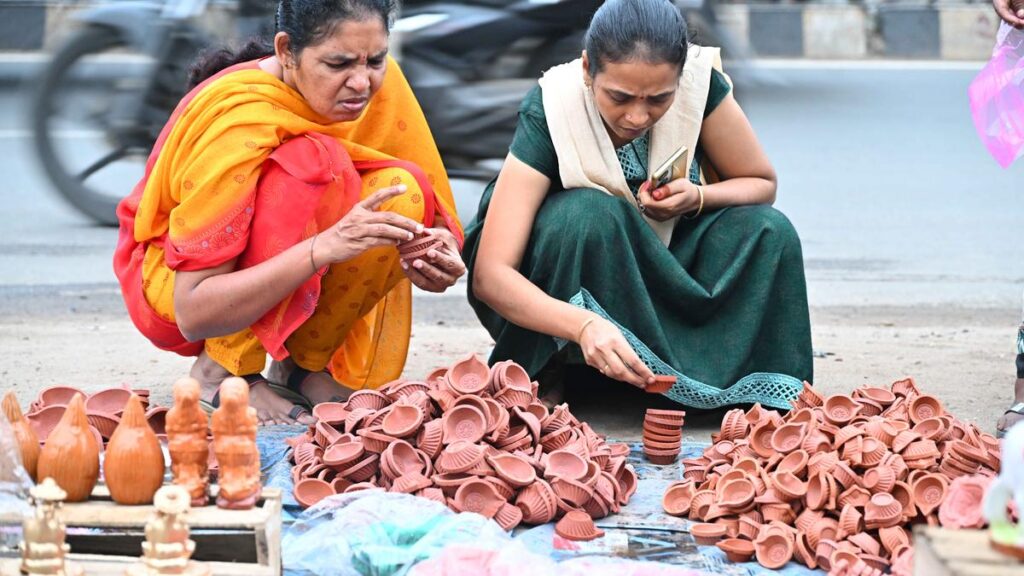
311	490
403	420
468	376
924	407
662	384
773	551
707	534
111	401
71	455
133	465
28	441
577	525
45	420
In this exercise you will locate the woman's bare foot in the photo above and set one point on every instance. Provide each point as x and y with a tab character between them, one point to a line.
317	387
1012	417
270	408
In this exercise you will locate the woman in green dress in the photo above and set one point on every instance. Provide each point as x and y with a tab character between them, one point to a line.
699	278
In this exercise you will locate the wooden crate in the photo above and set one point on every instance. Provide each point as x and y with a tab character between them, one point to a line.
230	542
945	552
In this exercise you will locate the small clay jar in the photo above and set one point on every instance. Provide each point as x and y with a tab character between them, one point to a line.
28	441
133	465
71	455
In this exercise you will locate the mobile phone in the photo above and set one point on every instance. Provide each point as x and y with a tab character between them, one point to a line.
670	169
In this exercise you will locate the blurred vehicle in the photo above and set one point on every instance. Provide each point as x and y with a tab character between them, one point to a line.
100	104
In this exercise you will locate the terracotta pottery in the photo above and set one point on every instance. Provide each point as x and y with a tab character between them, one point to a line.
929	491
463	423
677	498
28	441
310	491
577	525
513	469
234	442
841	409
513	375
459	457
110	401
924	407
45	420
333	413
188	445
571	491
508	516
566	464
133	465
429	438
367	399
787	437
851	521
707	534
104	423
468	376
363	470
419	247
56	396
71	455
737	494
879	395
787	484
963	505
882	511
880	479
403	420
794	463
627	481
773	551
341	456
402	459
411	483
662	384
866	543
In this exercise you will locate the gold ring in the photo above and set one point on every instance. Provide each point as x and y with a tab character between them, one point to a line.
606	367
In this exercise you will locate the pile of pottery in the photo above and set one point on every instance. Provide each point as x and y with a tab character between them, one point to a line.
833	484
663	435
471	437
103	410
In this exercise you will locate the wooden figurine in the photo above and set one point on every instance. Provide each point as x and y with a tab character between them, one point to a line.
187	442
168	549
234	443
43	550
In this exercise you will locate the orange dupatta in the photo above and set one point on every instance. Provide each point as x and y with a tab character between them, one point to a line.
199	194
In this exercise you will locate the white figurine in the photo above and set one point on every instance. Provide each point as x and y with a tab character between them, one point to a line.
1006	536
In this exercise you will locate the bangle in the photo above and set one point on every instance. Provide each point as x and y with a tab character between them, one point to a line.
579	334
700	207
312	262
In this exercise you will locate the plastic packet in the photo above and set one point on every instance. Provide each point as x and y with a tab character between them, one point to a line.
14	486
373	532
997	98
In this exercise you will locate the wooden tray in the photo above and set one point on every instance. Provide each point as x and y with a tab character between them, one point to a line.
945	552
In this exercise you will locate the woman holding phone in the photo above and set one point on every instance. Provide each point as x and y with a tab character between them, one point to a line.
697	276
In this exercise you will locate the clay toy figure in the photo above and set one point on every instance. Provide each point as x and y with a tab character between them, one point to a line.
187	441
167	548
1006	536
234	443
28	441
43	551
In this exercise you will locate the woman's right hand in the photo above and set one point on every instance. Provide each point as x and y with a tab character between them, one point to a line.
606	349
363	228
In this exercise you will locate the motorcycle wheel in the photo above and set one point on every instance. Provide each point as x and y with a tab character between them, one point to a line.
69	85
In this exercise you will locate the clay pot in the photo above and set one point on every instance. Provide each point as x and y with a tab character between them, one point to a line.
110	401
71	455
468	376
924	407
333	413
841	409
459	457
401	459
577	525
880	479
677	498
311	490
45	420
929	491
571	491
403	420
794	463
787	437
133	465
707	534
565	464
736	494
882	511
787	484
28	441
773	551
411	483
367	399
463	423
341	456
104	423
512	375
429	439
419	246
736	550
662	384
513	469
878	395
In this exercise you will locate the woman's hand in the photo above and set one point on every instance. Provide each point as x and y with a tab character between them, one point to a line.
678	197
441	268
364	228
605	348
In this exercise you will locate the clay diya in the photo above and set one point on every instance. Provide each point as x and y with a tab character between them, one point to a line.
577	525
841	409
463	423
133	465
110	401
794	463
737	494
45	420
773	551
707	534
736	549
333	413
55	396
28	441
468	376
419	246
71	454
513	469
928	492
677	498
882	511
309	491
566	464
104	423
788	437
662	384
341	456
403	420
924	407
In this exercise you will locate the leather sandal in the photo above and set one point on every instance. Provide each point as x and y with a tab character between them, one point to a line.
295	413
1017	408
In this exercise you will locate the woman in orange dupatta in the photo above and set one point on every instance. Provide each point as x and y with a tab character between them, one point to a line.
272	204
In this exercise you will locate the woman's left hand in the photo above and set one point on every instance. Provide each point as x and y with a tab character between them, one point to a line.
440	269
676	198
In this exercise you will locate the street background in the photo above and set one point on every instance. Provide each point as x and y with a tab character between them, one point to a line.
910	233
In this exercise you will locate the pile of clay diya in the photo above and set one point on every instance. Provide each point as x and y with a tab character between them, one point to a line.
103	411
663	435
834	484
471	437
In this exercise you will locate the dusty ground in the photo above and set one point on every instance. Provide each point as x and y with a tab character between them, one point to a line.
81	336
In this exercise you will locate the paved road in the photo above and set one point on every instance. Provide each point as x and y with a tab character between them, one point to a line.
880	170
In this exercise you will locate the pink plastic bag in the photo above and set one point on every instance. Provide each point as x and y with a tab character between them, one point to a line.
997	98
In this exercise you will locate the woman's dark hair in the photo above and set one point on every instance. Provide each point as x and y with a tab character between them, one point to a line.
307	23
651	31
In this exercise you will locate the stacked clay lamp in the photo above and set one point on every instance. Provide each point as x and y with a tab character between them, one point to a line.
663	435
834	484
419	246
473	438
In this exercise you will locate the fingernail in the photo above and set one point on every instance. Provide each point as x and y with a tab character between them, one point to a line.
401	187
409	235
417	264
419	228
405	266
